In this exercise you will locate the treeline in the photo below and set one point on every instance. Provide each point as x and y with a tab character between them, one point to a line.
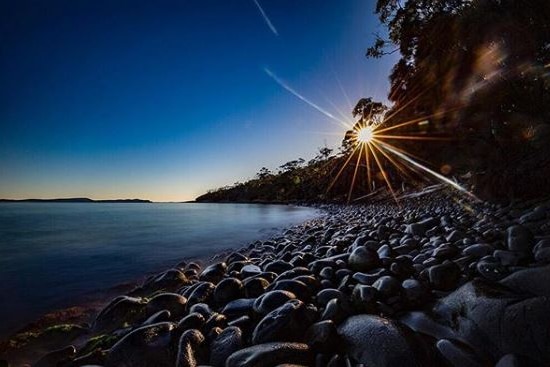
476	72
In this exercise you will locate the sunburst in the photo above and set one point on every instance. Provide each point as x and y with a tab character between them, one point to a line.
371	141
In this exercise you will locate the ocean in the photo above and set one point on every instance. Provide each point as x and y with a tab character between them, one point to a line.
53	254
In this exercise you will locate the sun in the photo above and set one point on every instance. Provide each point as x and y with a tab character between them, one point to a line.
365	134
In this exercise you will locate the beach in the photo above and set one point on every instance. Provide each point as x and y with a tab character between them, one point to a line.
435	280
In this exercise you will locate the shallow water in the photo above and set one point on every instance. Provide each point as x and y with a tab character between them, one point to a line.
53	253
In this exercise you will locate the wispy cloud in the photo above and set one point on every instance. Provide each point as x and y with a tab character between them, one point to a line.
266	18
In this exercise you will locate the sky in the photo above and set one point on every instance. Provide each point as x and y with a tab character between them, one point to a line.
163	100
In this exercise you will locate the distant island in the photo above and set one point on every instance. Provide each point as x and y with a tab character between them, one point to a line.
74	200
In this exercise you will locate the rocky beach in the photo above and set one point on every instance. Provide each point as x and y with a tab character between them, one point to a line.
434	281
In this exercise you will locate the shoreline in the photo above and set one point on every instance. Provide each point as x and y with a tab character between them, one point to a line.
88	305
424	270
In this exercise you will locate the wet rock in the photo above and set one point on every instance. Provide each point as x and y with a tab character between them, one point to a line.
213	273
194	320
324	296
145	346
255	287
322	336
173	302
285	323
188	343
170	281
239	307
202	293
278	266
160	316
363	259
376	341
271	354
298	288
225	344
542	251
122	310
269	301
228	290
250	270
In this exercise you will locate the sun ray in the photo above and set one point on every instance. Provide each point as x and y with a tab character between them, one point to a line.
355	172
342	168
283	84
412	137
426	169
369	174
400	167
383	173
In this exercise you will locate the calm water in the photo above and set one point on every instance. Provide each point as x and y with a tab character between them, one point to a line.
53	253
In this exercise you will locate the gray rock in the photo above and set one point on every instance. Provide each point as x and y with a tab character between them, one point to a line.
376	341
444	276
495	321
363	259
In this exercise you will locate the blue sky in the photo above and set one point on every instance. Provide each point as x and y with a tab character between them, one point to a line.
163	100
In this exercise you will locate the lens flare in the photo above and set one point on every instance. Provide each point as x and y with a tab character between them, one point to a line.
365	134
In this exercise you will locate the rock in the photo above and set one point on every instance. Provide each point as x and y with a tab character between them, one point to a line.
458	356
531	281
160	316
478	250
444	276
364	298
250	270
363	259
491	270
269	301
495	321
238	307
420	228
225	344
57	357
188	343
213	273
271	354
145	346
122	310
508	258
278	266
194	320
228	290
445	251
255	287
388	286
172	302
542	251
519	239
414	291
375	341
325	295
202	293
170	281
298	288
285	323
322	336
